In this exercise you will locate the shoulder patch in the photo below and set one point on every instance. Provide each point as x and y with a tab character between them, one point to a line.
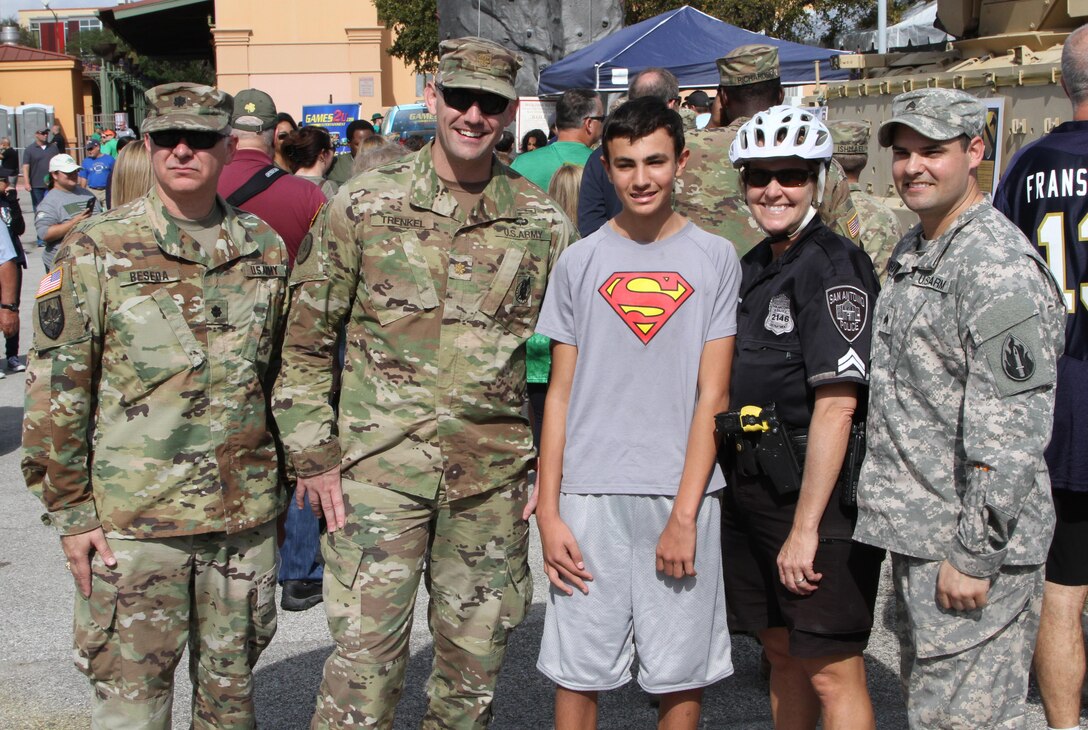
51	317
304	249
1017	359
849	309
51	283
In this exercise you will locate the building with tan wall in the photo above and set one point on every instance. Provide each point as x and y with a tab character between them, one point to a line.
33	76
313	52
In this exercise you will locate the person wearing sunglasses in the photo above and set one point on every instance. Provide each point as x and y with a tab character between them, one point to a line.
146	434
793	575
435	266
710	192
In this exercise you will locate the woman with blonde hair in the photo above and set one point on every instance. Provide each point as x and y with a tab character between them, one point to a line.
131	175
564	187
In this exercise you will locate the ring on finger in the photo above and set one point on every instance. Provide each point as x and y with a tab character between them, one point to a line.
802	579
68	565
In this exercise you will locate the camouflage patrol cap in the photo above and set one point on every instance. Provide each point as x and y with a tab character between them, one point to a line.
185	106
478	64
850	138
939	114
748	65
254	111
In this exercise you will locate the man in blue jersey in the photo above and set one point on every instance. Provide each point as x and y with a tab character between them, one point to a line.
96	171
1045	193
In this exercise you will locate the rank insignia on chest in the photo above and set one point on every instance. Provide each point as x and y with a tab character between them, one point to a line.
51	317
779	317
460	267
849	308
645	300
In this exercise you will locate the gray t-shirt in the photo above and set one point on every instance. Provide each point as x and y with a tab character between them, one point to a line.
639	314
58	206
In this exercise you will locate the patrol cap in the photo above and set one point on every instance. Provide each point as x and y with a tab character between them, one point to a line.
939	114
748	65
254	111
850	138
478	64
63	163
184	106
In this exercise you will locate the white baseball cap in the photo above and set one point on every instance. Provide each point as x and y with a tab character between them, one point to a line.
63	163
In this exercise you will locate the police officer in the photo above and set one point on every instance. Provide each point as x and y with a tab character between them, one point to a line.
793	576
710	193
1053	214
968	330
146	430
435	265
880	227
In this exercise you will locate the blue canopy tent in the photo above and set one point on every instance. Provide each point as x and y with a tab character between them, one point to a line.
685	41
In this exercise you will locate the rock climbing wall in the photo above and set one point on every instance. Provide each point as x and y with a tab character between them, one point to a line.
542	31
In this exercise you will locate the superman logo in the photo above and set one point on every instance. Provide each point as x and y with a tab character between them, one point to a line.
645	300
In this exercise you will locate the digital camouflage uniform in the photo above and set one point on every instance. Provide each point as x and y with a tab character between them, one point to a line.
709	191
432	447
147	415
968	329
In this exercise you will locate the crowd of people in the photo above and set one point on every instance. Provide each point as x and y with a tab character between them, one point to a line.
746	388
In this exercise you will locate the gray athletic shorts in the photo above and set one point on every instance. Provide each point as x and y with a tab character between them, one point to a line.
678	626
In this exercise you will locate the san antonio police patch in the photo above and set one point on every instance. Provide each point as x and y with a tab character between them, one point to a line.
849	308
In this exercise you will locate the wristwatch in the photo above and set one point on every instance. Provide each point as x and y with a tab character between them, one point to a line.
10	307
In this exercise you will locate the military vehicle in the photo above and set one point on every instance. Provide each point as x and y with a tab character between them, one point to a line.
1006	52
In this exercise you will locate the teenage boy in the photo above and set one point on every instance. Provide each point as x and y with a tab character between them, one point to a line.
642	317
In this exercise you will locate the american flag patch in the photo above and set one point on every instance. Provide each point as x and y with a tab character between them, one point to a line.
853	226
50	283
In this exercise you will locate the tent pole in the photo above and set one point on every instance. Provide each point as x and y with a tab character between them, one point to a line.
882	26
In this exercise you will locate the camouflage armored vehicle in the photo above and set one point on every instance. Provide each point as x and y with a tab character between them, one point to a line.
1006	52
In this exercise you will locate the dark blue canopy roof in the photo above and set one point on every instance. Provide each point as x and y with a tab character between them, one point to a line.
685	41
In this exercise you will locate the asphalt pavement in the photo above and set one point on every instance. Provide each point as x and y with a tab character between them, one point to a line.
40	688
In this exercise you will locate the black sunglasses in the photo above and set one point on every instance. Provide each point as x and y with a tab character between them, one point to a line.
463	99
598	118
195	140
792	178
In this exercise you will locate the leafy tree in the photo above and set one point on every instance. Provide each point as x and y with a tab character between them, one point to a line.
415	24
91	45
811	21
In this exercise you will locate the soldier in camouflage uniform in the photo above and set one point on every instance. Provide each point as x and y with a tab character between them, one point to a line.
146	431
880	227
967	333
709	191
435	265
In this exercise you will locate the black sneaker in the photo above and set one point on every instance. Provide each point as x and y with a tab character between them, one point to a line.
300	595
15	365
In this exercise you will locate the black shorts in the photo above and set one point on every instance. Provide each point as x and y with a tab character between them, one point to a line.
1066	564
838	617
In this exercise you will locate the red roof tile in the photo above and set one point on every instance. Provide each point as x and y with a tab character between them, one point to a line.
15	53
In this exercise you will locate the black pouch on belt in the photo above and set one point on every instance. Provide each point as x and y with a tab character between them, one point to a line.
757	442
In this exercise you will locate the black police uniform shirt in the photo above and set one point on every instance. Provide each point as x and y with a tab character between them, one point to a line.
804	320
1044	192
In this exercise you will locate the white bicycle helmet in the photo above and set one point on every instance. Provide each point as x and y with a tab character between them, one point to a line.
781	131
